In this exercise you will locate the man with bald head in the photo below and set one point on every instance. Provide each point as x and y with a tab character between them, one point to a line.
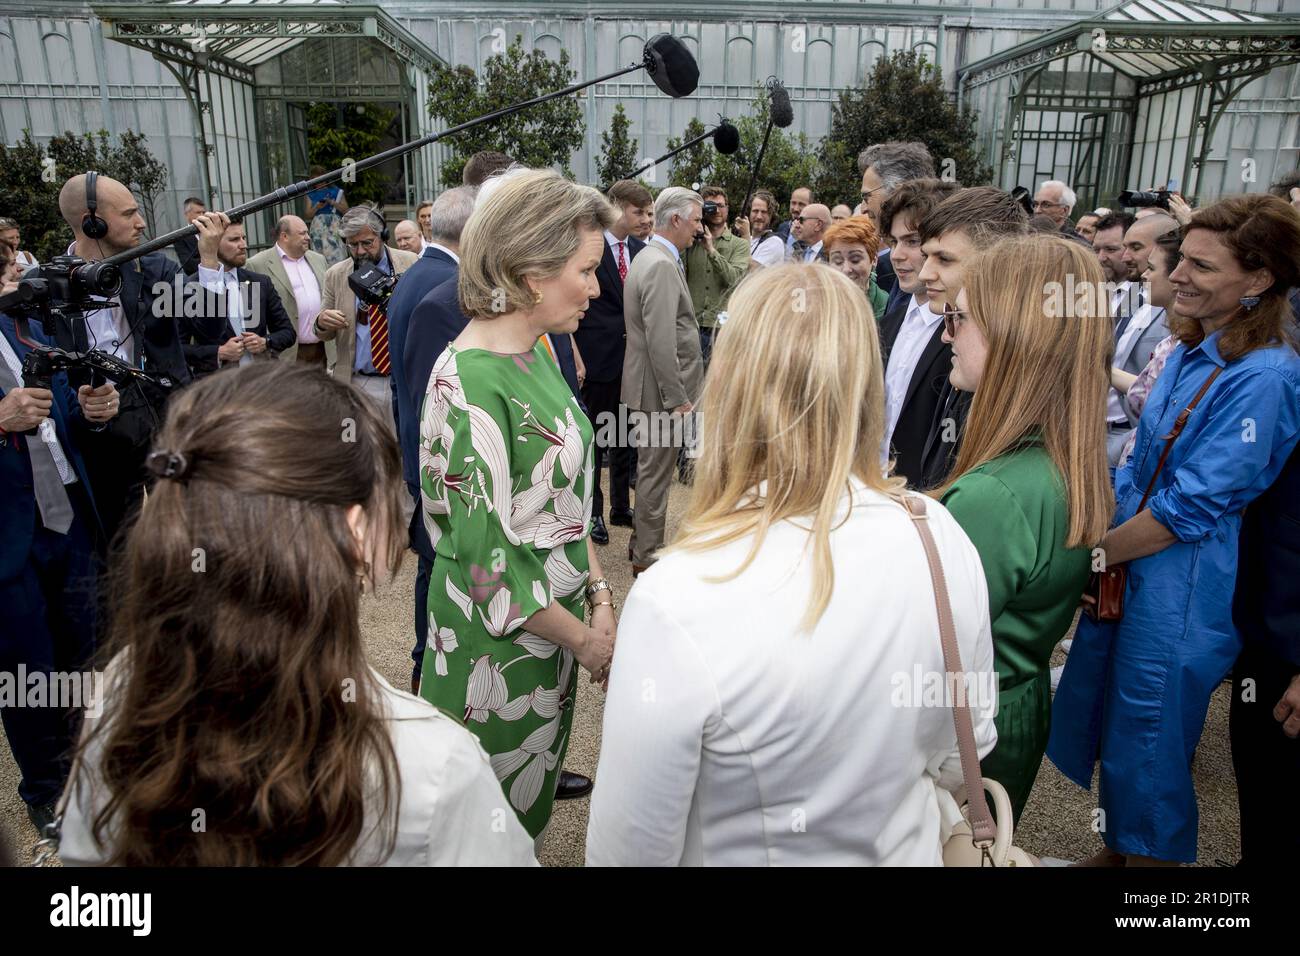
406	235
297	272
809	227
140	327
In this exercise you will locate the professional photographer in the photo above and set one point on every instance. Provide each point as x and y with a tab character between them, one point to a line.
360	331
243	317
714	265
48	566
139	327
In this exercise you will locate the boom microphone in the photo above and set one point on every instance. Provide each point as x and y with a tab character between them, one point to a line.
726	138
781	112
667	60
671	65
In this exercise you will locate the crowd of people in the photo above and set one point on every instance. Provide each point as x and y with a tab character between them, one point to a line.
1090	418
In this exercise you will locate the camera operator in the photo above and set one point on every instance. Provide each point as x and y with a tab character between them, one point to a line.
140	327
714	265
359	331
48	566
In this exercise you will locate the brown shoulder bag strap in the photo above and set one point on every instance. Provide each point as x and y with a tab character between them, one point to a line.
982	826
1179	424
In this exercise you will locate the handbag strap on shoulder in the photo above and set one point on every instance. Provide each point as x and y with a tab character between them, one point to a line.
1179	424
982	825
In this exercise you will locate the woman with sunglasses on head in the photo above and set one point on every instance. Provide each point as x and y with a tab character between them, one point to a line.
1216	431
1030	485
242	724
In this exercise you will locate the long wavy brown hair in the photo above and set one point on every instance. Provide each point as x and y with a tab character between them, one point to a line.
245	691
1262	232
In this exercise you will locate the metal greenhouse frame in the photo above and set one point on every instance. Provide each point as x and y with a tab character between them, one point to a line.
1129	98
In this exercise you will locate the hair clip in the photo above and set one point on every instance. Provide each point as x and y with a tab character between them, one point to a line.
168	464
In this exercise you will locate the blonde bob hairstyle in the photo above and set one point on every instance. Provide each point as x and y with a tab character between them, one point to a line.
531	224
1047	370
803	419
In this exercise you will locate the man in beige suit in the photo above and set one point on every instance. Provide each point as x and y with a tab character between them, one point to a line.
362	356
298	274
662	367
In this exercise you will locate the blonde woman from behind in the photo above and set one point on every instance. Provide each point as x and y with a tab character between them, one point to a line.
772	696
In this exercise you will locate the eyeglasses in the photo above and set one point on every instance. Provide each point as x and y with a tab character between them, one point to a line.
802	219
1044	204
866	193
951	316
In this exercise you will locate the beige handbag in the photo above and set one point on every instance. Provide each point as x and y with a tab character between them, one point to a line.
974	838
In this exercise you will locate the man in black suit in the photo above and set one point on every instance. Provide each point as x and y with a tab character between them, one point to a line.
1264	717
600	337
48	567
917	360
436	265
242	315
140	327
187	247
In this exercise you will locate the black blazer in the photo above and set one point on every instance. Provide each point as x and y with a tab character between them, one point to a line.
885	276
187	252
19	512
601	334
204	334
924	390
1266	607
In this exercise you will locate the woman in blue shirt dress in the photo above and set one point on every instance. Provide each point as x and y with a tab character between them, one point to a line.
1134	693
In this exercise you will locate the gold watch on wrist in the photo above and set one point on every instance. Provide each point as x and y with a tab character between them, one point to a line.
600	584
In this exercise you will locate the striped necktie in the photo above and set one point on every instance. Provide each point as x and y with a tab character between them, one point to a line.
378	322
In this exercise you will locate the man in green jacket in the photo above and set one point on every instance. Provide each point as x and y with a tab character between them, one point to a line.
714	265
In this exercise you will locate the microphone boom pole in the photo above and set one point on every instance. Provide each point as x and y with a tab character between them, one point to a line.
670	154
287	193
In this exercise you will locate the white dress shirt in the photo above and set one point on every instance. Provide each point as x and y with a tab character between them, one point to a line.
731	739
443	249
47	430
917	329
218	281
614	242
452	812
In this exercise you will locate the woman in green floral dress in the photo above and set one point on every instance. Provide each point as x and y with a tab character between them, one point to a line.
506	472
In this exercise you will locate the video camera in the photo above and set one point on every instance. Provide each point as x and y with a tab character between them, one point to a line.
39	367
1140	199
372	285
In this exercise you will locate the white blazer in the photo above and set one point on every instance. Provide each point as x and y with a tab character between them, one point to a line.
452	811
731	740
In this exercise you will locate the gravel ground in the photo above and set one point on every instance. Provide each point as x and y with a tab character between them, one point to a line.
1057	820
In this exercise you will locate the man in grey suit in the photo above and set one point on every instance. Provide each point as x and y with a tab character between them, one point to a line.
663	370
1137	333
298	274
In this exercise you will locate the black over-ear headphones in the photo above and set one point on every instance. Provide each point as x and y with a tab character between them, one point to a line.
91	225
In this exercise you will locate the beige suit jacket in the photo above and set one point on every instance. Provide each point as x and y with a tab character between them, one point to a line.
268	263
336	294
662	365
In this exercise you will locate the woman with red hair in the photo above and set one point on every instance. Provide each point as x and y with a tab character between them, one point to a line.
851	246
